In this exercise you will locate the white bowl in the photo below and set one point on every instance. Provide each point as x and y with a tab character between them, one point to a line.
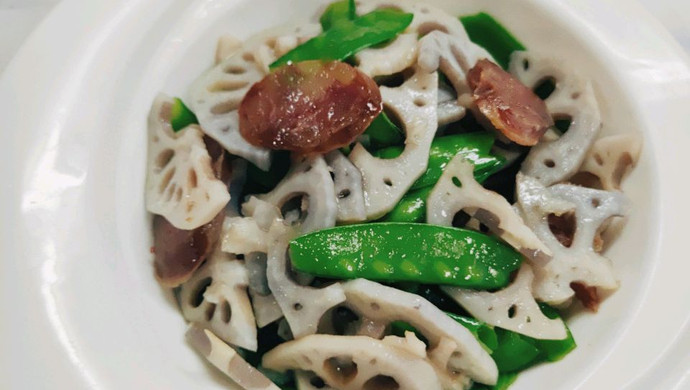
80	307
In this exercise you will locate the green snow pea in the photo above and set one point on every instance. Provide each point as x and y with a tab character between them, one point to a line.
396	252
347	37
383	132
338	12
473	146
517	352
411	208
181	116
488	33
484	333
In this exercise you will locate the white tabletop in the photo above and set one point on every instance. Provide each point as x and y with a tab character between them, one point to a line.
18	18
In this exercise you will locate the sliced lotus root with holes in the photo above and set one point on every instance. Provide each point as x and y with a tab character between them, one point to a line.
384	304
610	158
512	308
302	306
226	359
348	187
266	309
579	262
457	190
308	380
180	182
398	55
387	180
308	179
251	236
555	161
216	297
278	43
226	46
448	110
217	93
454	56
358	362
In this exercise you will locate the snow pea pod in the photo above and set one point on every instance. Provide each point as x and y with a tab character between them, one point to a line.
488	33
411	208
383	132
473	146
484	333
338	12
347	37
181	116
517	352
396	252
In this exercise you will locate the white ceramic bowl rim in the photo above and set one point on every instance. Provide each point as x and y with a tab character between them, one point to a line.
78	311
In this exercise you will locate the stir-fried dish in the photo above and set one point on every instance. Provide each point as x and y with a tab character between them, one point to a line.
393	198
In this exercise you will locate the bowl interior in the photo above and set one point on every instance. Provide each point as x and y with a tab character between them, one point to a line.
180	45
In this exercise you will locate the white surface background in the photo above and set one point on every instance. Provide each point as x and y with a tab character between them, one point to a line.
19	17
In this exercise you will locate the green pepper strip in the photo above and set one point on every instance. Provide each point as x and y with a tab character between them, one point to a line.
347	37
337	12
395	252
488	33
181	116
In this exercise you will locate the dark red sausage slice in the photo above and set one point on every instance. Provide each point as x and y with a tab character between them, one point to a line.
587	295
180	252
511	107
309	107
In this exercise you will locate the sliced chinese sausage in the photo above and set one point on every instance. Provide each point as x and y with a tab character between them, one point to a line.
309	107
511	107
180	252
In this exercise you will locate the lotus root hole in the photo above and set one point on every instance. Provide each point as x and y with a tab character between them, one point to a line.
210	311
341	368
234	69
427	27
227	85
225	312
164	158
197	296
166	179
192	179
317	382
381	382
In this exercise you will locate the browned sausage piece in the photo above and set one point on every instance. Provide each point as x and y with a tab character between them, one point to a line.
309	107
178	253
587	295
511	107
